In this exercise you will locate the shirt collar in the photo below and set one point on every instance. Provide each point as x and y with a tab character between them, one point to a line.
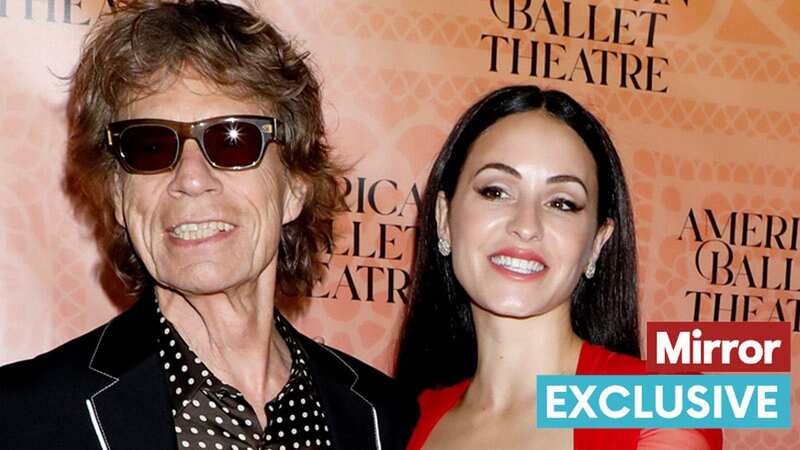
186	373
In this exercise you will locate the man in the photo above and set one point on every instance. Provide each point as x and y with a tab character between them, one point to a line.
197	144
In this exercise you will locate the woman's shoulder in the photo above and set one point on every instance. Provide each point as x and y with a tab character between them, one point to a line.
597	360
433	404
441	398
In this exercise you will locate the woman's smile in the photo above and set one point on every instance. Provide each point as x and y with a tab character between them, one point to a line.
518	264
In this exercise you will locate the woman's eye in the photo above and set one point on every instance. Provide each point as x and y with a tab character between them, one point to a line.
564	205
492	192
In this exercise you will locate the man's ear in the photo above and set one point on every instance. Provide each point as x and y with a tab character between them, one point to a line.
442	216
117	198
602	236
294	198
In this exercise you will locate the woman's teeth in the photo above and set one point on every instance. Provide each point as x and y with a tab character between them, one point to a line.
517	265
194	231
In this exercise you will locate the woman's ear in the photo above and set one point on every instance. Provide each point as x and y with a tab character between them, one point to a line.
602	236
442	215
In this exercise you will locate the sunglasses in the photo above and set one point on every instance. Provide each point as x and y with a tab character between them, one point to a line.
147	146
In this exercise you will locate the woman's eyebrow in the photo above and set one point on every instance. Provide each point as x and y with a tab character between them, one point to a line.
567	179
501	167
563	178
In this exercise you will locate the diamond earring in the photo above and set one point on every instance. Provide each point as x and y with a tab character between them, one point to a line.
589	271
444	247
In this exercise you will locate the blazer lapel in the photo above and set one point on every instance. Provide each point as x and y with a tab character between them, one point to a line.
131	410
353	419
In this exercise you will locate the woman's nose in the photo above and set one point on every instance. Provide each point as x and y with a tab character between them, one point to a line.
526	223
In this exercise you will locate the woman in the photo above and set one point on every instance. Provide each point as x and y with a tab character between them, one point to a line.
198	145
526	265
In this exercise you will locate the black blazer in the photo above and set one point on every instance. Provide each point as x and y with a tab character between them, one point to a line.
106	390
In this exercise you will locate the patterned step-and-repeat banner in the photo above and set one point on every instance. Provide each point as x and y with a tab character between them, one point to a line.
701	98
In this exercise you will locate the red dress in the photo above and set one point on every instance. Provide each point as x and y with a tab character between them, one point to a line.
593	360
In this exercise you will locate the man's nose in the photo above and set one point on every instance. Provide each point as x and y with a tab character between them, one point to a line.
193	175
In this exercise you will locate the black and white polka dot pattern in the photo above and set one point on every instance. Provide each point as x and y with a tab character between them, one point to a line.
210	414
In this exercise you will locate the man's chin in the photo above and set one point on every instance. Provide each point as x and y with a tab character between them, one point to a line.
204	284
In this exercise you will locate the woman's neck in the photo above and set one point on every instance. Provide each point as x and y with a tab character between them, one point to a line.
512	352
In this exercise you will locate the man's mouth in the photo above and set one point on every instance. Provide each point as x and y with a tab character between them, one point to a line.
200	230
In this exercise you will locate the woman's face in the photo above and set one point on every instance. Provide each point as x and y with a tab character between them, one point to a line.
240	212
522	222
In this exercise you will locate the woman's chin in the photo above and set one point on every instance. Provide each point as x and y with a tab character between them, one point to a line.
513	309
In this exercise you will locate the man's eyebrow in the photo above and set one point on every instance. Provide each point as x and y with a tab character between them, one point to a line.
501	167
567	179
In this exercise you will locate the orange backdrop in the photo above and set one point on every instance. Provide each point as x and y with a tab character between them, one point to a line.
701	99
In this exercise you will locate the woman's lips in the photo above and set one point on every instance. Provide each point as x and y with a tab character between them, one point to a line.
518	264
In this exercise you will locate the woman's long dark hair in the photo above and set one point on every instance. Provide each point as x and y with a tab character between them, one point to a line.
438	346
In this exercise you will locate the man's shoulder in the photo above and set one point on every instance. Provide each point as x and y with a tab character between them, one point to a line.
326	355
53	388
63	364
367	375
371	382
395	407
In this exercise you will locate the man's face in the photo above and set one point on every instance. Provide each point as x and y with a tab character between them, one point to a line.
200	230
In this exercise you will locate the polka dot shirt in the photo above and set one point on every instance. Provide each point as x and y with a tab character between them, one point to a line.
210	414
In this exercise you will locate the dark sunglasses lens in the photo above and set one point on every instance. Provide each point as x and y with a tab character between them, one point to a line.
149	148
233	144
